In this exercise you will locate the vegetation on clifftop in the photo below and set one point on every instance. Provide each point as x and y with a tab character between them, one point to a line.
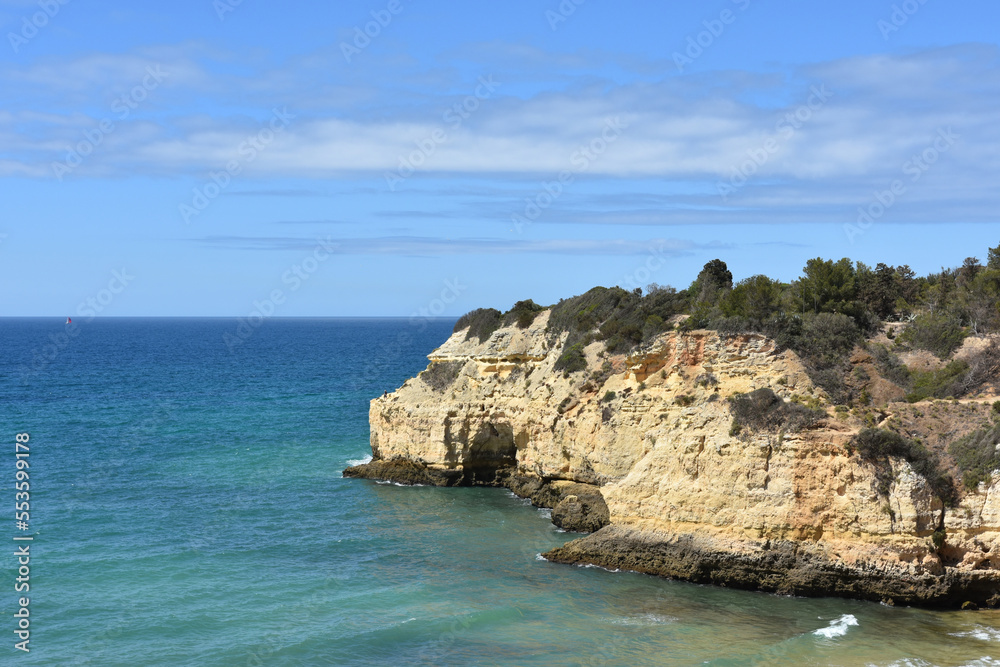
824	315
482	322
621	319
523	314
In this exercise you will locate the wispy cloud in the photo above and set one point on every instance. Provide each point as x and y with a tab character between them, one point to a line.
425	246
278	192
693	130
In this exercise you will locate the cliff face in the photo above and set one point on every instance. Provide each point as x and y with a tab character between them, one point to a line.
642	450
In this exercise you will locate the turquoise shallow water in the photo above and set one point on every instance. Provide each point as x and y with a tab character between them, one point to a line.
188	509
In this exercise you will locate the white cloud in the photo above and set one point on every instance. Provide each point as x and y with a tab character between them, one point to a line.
436	246
882	111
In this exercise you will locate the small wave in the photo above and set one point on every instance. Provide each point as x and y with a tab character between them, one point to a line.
645	620
359	462
980	632
545	512
386	482
541	558
520	499
838	628
591	566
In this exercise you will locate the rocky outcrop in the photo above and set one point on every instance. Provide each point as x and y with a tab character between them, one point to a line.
580	508
405	471
786	567
642	449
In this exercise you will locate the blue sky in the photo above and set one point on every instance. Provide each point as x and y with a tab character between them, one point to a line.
461	155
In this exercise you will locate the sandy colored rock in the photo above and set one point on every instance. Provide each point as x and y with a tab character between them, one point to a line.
654	435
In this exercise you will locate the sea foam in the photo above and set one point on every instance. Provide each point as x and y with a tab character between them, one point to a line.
980	632
645	620
838	628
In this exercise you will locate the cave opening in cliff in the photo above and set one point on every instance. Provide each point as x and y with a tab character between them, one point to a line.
491	449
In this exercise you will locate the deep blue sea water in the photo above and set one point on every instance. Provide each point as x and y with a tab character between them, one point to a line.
187	508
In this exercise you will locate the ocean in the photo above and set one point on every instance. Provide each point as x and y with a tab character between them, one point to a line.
187	508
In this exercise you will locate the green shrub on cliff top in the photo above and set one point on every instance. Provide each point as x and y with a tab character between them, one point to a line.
522	314
482	322
587	311
620	318
821	315
756	298
935	332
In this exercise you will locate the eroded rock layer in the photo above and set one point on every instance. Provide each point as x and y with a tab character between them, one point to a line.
642	449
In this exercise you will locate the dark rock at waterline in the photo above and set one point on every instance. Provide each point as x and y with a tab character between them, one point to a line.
783	567
532	487
405	471
576	507
581	509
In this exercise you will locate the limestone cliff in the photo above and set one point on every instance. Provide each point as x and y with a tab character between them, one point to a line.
642	449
